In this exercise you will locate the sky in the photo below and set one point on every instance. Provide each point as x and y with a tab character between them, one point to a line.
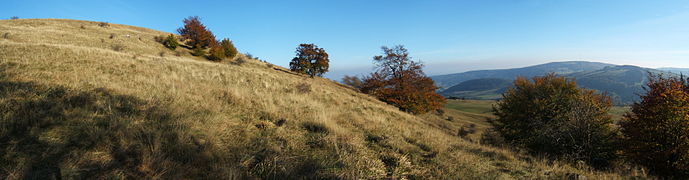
448	36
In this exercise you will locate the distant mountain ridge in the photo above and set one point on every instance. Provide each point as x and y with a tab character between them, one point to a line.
622	82
684	71
446	81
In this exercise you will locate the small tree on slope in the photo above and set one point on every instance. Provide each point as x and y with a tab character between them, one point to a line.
401	82
311	60
228	47
196	34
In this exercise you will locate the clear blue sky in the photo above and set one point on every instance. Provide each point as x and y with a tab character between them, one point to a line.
448	36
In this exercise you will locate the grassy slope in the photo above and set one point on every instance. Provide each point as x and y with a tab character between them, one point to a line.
71	104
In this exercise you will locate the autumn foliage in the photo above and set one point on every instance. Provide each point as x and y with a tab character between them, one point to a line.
216	53
311	60
657	128
195	33
550	115
401	82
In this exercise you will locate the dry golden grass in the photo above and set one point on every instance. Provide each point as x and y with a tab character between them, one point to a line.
240	121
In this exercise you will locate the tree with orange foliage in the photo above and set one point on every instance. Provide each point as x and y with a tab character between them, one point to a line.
196	34
311	60
401	82
656	130
550	115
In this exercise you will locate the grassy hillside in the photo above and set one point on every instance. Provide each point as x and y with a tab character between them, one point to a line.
83	101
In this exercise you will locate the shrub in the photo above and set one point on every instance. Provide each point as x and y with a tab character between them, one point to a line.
228	47
216	53
6	35
112	35
400	81
249	55
656	130
14	17
310	60
550	115
239	61
463	132
198	51
159	39
315	127
104	24
195	33
353	81
170	42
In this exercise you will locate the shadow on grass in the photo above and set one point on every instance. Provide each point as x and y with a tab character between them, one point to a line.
55	132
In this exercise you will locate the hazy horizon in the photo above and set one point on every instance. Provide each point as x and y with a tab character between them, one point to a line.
448	36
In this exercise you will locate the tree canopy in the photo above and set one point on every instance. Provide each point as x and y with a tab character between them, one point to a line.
311	60
195	33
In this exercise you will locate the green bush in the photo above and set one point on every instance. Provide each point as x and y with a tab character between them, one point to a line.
550	115
228	48
170	42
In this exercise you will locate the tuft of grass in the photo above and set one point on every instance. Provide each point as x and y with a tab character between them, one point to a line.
118	47
315	127
303	88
